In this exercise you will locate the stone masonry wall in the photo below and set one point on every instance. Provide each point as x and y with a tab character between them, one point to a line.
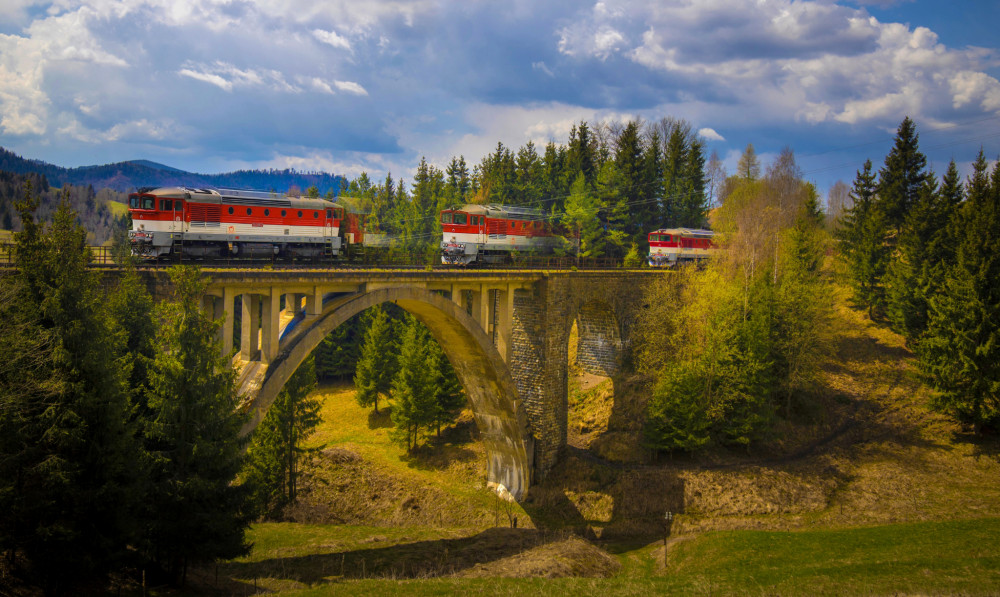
599	346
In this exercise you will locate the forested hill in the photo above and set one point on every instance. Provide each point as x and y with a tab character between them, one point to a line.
99	212
127	176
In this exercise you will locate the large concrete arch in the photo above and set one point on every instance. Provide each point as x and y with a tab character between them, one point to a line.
498	411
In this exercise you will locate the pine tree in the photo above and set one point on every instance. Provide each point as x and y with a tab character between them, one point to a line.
902	176
376	366
693	208
413	394
906	296
581	156
199	514
581	220
862	234
647	212
749	164
69	463
448	395
674	187
961	351
275	450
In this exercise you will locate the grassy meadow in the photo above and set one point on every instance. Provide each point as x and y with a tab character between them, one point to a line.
872	493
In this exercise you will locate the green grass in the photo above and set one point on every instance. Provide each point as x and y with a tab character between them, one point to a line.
927	557
117	209
919	558
347	425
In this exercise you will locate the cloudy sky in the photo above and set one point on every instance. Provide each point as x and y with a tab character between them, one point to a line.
351	85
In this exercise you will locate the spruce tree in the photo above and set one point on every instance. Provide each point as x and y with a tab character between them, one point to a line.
586	238
902	176
199	514
69	478
862	234
413	393
906	293
272	467
961	351
448	395
647	211
674	187
376	366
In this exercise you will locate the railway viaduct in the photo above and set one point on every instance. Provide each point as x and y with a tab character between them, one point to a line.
506	333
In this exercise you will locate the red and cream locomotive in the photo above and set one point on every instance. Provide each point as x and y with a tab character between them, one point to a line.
211	223
494	233
669	247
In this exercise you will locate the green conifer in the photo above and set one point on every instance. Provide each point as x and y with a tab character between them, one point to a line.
961	351
376	366
199	513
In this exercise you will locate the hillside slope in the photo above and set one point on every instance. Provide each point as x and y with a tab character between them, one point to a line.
127	176
873	493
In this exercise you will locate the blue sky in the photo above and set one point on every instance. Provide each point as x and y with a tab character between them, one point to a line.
347	85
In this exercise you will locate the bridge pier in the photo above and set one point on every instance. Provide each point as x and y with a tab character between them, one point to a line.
250	336
270	324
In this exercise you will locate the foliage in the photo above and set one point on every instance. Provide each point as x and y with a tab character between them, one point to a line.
69	467
199	514
449	398
862	233
337	356
91	208
961	351
275	450
736	341
632	258
413	388
376	366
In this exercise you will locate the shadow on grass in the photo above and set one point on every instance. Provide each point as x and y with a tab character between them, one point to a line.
380	419
984	445
438	457
419	559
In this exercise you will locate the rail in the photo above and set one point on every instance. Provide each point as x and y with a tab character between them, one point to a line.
102	256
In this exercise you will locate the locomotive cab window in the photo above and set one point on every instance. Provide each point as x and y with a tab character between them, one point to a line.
329	214
166	205
461	219
446	218
148	203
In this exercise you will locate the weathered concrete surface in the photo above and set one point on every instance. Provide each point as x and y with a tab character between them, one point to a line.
506	332
491	391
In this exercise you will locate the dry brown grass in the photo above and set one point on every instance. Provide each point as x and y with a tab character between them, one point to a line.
864	448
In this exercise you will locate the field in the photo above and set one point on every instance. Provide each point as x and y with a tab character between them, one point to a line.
871	493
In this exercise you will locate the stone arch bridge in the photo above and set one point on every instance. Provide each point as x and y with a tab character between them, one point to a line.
505	332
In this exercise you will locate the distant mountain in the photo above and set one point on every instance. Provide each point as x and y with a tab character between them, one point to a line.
128	176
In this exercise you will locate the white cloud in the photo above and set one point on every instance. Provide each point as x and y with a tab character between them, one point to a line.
331	38
213	79
814	61
227	77
48	44
540	66
710	134
350	87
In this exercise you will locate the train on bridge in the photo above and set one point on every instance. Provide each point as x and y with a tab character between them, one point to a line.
179	222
